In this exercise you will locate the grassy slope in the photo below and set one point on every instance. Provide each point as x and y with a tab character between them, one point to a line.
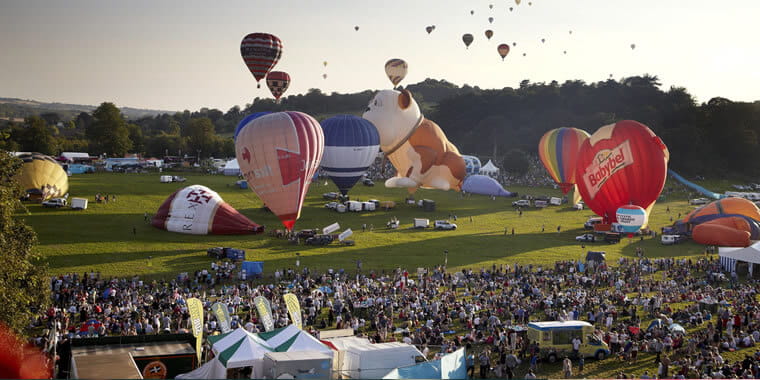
100	238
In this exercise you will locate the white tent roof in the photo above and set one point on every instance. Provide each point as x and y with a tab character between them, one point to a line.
489	168
250	349
232	164
344	343
211	370
291	338
750	254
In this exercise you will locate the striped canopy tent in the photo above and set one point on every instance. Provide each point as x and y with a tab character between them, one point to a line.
239	348
291	338
731	256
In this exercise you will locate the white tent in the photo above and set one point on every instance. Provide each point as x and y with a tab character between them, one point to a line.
291	338
730	256
231	167
211	370
374	361
489	169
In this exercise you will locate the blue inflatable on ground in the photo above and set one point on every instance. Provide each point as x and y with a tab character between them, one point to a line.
485	185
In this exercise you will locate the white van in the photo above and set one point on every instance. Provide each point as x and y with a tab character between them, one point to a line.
368	206
166	178
670	239
79	203
354	206
554	201
540	204
421	223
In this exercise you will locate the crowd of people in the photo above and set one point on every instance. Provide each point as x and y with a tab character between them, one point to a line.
484	310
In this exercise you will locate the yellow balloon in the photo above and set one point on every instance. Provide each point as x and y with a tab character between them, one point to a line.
42	177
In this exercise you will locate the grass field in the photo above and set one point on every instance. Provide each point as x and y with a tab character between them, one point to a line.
101	238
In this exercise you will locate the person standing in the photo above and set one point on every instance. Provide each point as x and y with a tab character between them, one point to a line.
567	368
485	363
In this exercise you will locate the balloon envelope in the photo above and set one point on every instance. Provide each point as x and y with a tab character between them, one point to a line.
489	34
620	164
472	164
396	69
722	209
558	150
260	52
351	145
503	50
631	218
278	82
467	39
429	29
42	177
484	185
278	156
198	210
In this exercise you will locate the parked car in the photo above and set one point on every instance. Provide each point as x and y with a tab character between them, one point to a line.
319	240
521	203
226	253
671	239
332	205
699	201
368	182
587	238
331	195
444	225
305	234
178	179
54	203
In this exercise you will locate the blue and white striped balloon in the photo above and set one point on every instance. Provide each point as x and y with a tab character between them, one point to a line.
351	145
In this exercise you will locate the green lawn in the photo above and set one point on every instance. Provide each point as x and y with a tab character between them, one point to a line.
101	237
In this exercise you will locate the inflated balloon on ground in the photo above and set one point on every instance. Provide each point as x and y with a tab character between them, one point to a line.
351	146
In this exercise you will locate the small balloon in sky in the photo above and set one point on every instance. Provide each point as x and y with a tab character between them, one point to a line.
490	20
356	28
524	54
467	39
570	32
564	52
489	33
324	76
503	50
543	40
633	46
472	12
514	43
490	6
429	29
324	63
510	9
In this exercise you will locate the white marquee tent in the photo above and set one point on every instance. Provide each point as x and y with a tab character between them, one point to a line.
231	167
489	169
730	256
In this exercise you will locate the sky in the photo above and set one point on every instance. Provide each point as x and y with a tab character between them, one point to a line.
177	55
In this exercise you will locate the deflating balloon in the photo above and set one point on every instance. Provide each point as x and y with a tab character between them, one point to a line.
278	82
198	210
278	155
260	52
489	33
467	39
558	150
247	119
396	69
351	145
620	164
42	177
484	185
503	50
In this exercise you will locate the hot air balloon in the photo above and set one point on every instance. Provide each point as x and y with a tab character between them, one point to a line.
631	218
503	50
467	39
529	3
198	210
564	52
429	29
278	82
633	46
489	33
278	155
260	52
324	63
490	20
558	150
472	164
543	40
356	28
490	6
570	32
620	164
472	12
351	145
396	69
517	2
247	119
525	54
514	43
510	9
324	76
42	177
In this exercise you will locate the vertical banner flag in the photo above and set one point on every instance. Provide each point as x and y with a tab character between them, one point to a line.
294	309
195	308
265	312
222	314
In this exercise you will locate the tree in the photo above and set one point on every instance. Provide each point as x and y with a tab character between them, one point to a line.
35	136
24	283
136	137
200	136
108	134
516	162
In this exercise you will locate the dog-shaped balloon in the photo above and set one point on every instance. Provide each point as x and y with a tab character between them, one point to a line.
416	146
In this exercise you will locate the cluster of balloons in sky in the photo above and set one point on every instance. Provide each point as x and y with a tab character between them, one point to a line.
619	171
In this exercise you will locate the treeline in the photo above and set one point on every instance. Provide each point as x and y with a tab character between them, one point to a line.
716	138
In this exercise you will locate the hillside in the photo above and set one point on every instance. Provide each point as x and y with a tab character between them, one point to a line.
20	108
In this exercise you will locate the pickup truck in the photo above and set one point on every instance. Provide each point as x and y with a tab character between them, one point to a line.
587	238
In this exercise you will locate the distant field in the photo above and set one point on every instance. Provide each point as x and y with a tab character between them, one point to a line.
101	239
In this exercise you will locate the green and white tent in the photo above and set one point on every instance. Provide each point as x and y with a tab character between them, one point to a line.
239	348
291	338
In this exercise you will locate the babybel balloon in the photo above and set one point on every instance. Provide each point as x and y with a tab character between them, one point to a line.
558	150
396	70
278	155
503	50
631	218
621	164
278	82
351	145
467	39
260	52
